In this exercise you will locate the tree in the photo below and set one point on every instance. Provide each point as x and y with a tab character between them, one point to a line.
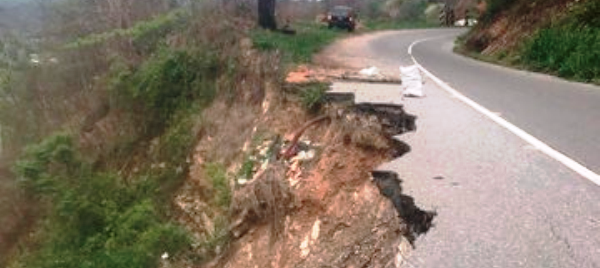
266	14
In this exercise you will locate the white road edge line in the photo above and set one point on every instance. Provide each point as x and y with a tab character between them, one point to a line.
538	144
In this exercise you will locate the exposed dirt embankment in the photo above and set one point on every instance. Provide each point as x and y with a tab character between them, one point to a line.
329	210
508	29
305	191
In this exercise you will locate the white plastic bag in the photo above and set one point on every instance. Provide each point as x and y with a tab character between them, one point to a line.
412	82
370	72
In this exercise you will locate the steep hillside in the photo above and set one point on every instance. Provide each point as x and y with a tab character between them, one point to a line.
140	134
507	25
559	37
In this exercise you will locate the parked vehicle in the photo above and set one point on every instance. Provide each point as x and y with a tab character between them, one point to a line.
342	17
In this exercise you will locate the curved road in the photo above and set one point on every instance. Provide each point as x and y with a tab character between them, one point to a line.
565	115
501	202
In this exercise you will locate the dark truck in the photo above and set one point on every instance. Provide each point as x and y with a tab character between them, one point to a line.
342	17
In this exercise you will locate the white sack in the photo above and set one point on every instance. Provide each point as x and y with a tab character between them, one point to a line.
412	82
370	72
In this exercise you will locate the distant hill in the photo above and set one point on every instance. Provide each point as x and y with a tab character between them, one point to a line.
20	15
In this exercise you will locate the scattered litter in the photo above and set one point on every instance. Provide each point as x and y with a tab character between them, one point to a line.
164	256
463	22
304	249
412	81
370	72
306	155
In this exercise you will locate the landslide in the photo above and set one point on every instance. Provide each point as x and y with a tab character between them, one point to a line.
174	143
323	205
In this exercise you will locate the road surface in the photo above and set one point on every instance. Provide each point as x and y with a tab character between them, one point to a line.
501	202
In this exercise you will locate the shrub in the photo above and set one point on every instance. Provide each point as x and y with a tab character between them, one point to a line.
169	81
313	96
145	35
220	184
94	220
569	48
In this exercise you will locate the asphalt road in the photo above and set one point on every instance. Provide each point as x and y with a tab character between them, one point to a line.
564	115
500	201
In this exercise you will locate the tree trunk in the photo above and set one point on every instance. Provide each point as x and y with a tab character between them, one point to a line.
266	14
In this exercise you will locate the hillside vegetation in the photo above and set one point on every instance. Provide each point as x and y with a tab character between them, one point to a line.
149	134
556	37
100	113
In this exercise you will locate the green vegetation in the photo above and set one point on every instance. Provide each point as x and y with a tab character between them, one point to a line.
142	33
220	183
112	206
95	219
217	238
247	169
169	81
568	52
568	48
312	96
105	192
298	48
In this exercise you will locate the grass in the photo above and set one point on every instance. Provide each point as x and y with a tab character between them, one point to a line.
567	48
298	48
247	169
216	238
312	96
220	182
567	51
310	37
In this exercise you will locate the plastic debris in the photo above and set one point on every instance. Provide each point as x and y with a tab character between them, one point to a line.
412	81
370	72
305	155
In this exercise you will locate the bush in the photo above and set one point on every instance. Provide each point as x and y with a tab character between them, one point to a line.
145	35
94	220
569	48
572	54
169	81
312	96
220	184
